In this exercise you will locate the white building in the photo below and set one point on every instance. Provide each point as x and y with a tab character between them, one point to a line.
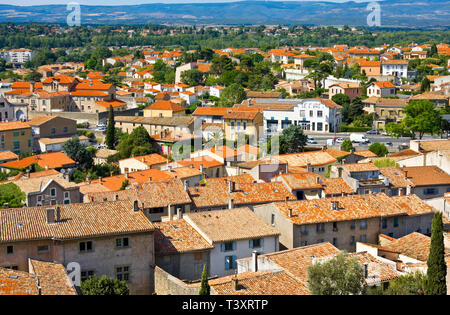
381	89
17	56
234	234
396	68
310	114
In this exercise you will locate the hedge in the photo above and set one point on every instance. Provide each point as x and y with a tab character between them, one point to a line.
346	128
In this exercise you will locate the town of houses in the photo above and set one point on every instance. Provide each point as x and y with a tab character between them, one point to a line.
250	217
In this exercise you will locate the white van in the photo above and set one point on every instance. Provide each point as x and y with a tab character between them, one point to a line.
358	138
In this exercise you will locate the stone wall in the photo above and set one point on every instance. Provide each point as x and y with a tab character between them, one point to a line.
166	284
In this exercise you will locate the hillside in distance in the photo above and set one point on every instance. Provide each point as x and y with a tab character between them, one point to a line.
394	13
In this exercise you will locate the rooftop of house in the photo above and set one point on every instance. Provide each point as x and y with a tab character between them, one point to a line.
150	159
336	153
431	145
426	175
149	195
336	186
414	245
8	155
46	160
396	177
204	161
211	111
178	236
13	125
166	105
384	84
38	184
352	207
162	121
113	183
43	278
365	153
360	167
230	225
216	192
40	120
302	159
299	181
259	283
60	140
78	220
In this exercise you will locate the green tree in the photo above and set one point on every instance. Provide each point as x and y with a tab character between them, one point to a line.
386	162
111	131
425	85
78	152
422	117
409	284
397	130
341	99
435	282
11	194
234	94
125	184
192	77
104	286
347	145
137	140
292	140
204	286
341	275
379	149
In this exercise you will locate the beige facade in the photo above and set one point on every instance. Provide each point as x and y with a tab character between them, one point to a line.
17	140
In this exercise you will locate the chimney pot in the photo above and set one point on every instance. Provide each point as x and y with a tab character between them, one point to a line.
50	216
255	261
58	214
179	214
231	203
235	284
169	212
290	213
135	206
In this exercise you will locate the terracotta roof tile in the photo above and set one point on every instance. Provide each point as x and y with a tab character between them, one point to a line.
79	220
230	225
50	160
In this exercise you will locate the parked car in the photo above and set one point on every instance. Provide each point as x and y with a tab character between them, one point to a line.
388	144
311	141
340	140
372	132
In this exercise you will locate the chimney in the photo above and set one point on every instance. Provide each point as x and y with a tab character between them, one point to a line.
201	170
169	212
135	206
308	167
399	265
254	261
50	216
334	205
88	180
317	180
99	179
366	270
179	214
235	283
230	203
116	197
408	189
149	179
231	186
126	175
58	214
185	185
290	213
406	174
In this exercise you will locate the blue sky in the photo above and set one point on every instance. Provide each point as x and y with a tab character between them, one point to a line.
126	2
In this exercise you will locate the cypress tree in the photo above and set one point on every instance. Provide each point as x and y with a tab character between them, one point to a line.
435	283
204	287
110	132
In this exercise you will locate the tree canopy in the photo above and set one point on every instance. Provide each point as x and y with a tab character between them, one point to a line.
104	286
340	275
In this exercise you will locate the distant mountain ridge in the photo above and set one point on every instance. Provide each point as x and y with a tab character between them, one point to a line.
394	13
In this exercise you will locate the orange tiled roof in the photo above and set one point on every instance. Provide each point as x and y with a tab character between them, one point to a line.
8	155
80	220
298	181
13	125
365	153
53	278
166	105
49	160
211	111
384	84
178	236
230	225
204	161
113	103
216	193
150	159
427	175
336	186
